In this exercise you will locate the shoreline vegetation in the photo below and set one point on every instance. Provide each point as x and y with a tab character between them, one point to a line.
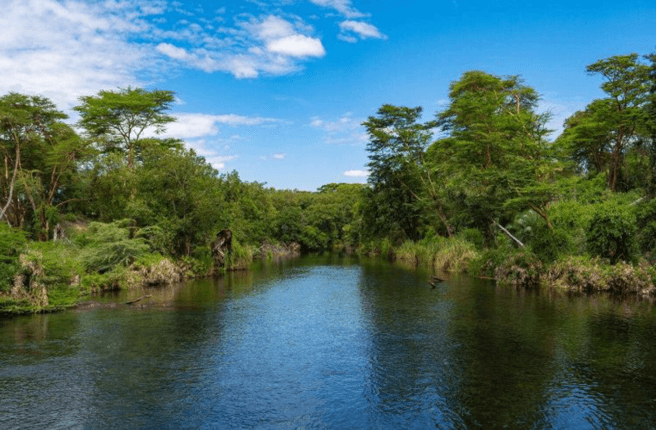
484	188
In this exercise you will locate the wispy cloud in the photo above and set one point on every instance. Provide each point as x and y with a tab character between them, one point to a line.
277	156
356	173
213	156
344	7
254	45
363	30
344	123
344	130
196	125
67	49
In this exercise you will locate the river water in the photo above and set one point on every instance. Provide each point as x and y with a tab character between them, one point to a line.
333	343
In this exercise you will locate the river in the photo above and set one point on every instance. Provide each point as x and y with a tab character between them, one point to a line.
333	343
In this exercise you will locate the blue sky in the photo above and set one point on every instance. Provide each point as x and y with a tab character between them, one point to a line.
277	89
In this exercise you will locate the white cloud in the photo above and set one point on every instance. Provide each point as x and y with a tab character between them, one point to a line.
173	52
297	45
211	155
64	50
342	6
356	173
269	44
273	27
347	38
362	29
218	161
237	120
195	125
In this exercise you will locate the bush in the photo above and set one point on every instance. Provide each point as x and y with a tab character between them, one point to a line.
585	274
548	244
473	236
240	258
611	233
61	263
572	217
521	269
109	245
647	226
486	262
12	242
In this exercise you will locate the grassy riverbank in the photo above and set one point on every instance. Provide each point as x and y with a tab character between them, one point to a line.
51	276
521	267
96	257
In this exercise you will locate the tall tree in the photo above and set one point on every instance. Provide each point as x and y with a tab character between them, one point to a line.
600	137
40	155
397	153
495	152
117	120
651	126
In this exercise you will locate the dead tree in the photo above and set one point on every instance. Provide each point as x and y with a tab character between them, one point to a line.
221	246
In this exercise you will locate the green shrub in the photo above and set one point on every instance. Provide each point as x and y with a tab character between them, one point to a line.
473	236
585	274
147	260
60	263
54	266
521	269
155	237
646	215
441	253
12	242
611	233
112	280
240	258
548	244
573	218
109	245
485	264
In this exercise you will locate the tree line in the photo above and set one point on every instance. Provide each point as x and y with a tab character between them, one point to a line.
485	170
495	163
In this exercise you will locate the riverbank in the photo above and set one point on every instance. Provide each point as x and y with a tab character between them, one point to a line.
522	268
53	276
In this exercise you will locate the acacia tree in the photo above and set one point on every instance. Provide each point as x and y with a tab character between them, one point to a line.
651	126
495	153
600	136
397	148
117	120
40	155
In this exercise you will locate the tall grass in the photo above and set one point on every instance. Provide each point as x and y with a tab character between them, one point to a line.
240	258
443	254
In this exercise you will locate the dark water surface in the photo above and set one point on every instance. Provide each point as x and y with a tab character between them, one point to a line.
337	344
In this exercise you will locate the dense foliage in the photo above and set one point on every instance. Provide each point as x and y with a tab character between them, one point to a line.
495	191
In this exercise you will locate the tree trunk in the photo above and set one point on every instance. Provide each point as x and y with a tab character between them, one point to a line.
11	185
